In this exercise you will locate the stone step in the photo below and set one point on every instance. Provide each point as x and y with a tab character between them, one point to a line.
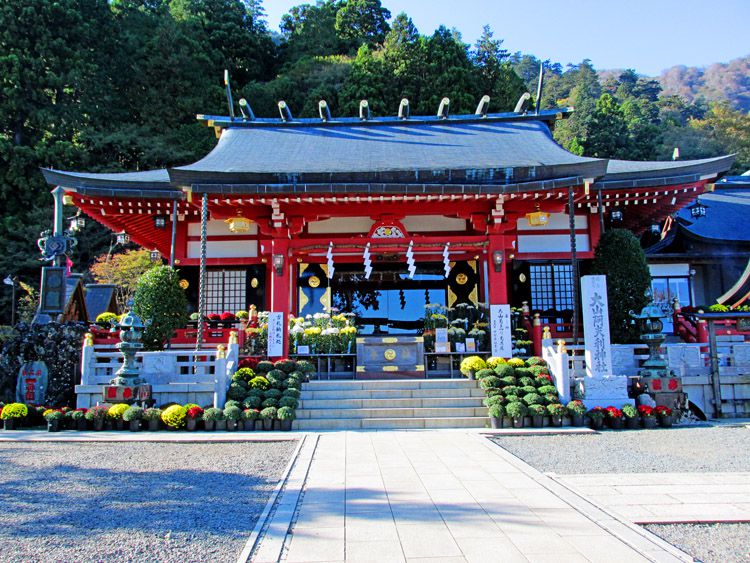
431	402
332	394
390	384
389	423
393	412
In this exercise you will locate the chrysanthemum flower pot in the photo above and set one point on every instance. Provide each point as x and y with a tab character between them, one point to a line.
53	426
98	424
153	425
518	422
576	420
10	423
649	422
210	425
191	424
81	424
231	425
268	424
285	425
134	425
596	423
221	424
615	423
496	422
537	420
632	422
666	421
555	421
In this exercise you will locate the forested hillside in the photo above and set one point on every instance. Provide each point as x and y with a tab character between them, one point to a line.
115	85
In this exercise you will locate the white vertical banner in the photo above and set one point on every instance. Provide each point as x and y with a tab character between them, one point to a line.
597	345
500	331
276	335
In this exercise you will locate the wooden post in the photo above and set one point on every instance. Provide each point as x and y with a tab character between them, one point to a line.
281	285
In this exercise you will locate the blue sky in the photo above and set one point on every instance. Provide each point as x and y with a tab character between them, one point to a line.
646	35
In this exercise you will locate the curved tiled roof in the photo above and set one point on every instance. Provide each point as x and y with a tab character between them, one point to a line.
727	216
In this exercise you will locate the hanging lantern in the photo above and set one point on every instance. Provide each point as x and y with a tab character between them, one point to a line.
538	218
155	255
238	224
123	238
698	209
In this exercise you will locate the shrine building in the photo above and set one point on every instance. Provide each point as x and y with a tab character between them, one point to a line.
492	208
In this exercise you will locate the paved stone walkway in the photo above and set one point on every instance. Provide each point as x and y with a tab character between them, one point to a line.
651	498
447	497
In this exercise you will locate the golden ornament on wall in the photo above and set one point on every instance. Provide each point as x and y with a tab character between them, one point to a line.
389	354
314	281
254	283
461	279
522	278
184	284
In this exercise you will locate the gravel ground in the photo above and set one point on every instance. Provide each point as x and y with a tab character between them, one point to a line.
134	501
676	450
710	543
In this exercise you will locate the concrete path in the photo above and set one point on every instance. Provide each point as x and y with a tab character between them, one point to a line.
447	497
653	498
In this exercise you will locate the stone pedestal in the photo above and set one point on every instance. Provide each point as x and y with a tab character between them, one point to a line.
605	391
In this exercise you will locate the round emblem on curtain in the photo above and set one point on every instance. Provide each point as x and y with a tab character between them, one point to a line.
461	279
254	283
314	281
522	278
184	284
389	354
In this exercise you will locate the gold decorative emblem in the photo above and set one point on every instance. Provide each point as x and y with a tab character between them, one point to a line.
314	281
461	279
254	283
184	284
389	354
522	278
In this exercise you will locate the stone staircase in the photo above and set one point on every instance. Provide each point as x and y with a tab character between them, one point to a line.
387	404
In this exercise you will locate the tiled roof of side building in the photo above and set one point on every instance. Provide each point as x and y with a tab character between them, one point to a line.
726	218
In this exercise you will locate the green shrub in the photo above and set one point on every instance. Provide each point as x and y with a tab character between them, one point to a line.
556	409
160	299
213	414
78	415
258	382
533	399
535	361
482	373
270	403
496	411
541	381
274	380
228	404
516	409
133	413
264	366
174	416
525	381
576	407
511	390
292	383
256	393
492	391
490	381
250	414
537	410
286	366
252	402
294	393
494	400
526	389
268	413
504	370
233	413
305	366
151	414
98	412
14	411
272	394
509	380
629	411
285	413
288	402
538	370
547	390
620	257
106	317
523	372
512	399
236	392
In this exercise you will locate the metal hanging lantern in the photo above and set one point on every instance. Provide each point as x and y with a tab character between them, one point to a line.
238	224
123	238
538	218
698	209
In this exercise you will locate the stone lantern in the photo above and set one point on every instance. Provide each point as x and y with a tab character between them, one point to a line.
655	377
127	386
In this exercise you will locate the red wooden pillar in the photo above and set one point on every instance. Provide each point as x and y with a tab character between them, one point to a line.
497	271
281	268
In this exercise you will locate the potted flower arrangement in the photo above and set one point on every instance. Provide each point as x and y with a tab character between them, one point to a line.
233	416
285	415
470	365
133	417
664	414
596	417
12	415
577	410
210	417
537	413
630	415
517	411
267	416
174	417
114	416
496	413
614	418
249	416
648	416
54	419
79	419
153	417
556	412
193	414
97	415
